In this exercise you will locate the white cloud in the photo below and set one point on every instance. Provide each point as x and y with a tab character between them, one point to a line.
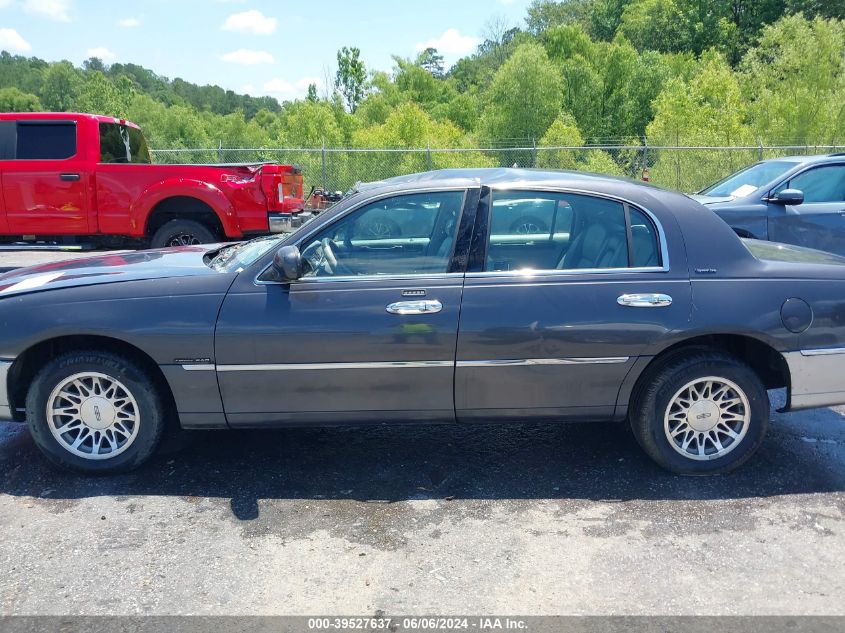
247	89
129	23
248	57
58	10
101	52
251	21
5	3
451	43
286	90
11	40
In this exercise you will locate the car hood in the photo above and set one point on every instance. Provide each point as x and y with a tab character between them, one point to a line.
711	199
183	261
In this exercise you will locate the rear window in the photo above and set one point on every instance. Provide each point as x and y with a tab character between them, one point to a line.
122	144
772	251
45	140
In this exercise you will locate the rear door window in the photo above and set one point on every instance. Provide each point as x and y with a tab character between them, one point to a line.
563	231
45	140
122	144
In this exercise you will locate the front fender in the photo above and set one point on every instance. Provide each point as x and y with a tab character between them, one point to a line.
140	210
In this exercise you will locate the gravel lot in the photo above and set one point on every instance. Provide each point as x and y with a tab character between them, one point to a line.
569	519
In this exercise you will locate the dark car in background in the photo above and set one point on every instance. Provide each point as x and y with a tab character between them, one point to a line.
488	296
796	200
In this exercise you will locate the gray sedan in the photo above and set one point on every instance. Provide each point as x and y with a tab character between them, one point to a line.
495	295
796	200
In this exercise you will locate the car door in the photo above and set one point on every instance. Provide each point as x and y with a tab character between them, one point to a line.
368	334
44	190
552	332
819	222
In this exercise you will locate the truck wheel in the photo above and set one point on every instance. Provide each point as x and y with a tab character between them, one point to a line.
94	412
703	414
180	232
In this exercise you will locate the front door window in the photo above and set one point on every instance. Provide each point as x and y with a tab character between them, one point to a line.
403	235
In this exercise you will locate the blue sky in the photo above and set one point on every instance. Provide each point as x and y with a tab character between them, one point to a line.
254	46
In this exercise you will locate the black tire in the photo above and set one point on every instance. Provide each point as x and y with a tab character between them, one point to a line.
660	385
181	232
150	412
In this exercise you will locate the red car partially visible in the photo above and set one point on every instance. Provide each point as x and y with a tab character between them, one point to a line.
68	174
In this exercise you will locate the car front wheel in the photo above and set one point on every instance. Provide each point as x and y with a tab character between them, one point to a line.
94	412
700	414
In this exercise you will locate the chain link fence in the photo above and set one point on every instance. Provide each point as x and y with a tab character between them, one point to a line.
685	169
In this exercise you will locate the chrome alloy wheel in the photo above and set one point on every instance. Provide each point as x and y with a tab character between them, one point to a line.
183	239
93	416
707	418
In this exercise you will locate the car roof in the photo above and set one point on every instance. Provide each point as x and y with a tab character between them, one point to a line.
812	158
61	116
504	177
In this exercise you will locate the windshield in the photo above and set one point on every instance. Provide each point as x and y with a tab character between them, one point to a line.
747	181
123	144
236	257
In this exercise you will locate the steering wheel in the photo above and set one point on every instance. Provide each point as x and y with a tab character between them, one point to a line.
322	257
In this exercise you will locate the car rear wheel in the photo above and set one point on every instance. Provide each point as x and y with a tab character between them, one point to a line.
180	232
700	414
94	412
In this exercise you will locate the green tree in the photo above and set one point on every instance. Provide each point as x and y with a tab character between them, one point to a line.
309	124
708	110
351	77
14	100
795	81
656	25
100	95
545	14
524	97
432	61
563	133
61	87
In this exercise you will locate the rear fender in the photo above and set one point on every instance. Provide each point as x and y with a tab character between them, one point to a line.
139	212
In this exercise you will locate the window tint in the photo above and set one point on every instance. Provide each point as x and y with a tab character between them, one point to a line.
409	234
557	231
645	250
122	144
45	140
822	184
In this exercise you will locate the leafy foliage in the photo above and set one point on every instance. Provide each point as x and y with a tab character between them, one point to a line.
689	72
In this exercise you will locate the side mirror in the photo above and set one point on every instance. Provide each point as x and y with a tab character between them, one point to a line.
788	197
287	263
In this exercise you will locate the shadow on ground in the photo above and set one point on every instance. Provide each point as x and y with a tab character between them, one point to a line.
380	463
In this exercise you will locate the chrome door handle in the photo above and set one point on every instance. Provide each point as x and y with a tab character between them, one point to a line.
427	306
648	300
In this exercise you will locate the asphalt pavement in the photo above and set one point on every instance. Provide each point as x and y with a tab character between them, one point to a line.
453	519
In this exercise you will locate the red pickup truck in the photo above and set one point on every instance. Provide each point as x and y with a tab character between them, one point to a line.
91	176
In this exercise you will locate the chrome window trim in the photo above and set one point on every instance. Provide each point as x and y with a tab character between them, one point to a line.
364	202
661	234
306	281
564	272
609	360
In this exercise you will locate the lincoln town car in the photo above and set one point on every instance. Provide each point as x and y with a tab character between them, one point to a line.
457	297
